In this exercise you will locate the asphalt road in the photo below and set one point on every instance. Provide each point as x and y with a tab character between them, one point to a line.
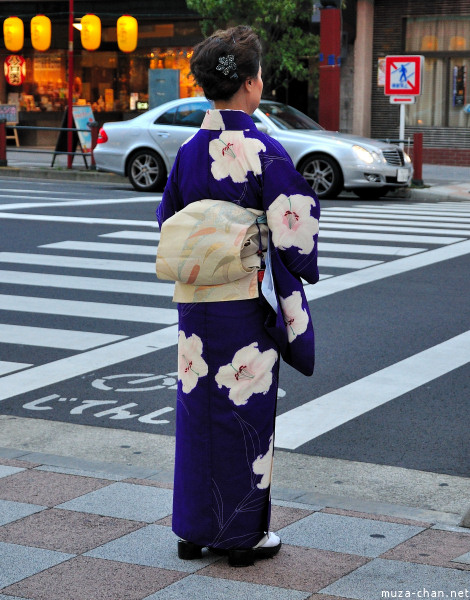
88	334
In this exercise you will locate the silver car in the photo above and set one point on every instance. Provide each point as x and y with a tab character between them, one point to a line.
144	149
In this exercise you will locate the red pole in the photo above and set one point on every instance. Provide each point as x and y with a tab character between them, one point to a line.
3	143
417	159
330	65
94	138
70	98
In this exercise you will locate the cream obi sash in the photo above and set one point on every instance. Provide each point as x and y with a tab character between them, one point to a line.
211	249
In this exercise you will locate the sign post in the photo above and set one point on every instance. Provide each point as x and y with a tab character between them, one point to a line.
403	82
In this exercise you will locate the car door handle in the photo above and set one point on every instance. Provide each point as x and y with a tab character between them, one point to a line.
162	134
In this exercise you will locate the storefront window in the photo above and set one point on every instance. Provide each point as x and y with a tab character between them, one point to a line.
445	44
177	58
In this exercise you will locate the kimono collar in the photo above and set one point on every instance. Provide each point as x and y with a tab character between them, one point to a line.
227	119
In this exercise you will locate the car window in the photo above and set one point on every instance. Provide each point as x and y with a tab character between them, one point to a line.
167	118
191	114
287	117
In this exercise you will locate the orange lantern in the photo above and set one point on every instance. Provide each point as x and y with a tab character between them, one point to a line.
91	32
15	69
127	30
41	32
13	33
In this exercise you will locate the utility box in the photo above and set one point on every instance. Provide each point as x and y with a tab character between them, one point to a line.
164	85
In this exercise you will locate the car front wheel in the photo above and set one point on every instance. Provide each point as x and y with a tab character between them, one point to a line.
323	174
146	171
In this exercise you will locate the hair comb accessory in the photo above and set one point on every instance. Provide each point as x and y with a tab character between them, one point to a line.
227	64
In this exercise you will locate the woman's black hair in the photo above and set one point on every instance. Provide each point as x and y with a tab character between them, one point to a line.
212	63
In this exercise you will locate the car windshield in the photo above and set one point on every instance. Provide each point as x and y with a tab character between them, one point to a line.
286	117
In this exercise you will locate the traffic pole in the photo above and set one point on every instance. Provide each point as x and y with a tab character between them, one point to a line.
3	143
70	87
330	68
418	159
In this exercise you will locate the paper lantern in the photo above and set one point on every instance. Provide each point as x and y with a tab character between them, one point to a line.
127	30
91	32
13	34
15	69
41	32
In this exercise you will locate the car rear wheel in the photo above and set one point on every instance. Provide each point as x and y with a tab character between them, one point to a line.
371	193
323	174
146	171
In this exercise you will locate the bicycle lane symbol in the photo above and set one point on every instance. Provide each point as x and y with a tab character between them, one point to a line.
132	381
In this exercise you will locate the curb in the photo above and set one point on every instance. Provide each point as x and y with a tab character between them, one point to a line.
62	175
116	471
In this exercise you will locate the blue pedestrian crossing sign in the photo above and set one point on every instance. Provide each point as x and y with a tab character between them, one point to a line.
403	75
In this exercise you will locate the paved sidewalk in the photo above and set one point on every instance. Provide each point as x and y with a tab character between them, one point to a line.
92	531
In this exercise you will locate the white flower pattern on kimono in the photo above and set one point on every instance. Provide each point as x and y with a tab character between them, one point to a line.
191	365
250	372
263	466
291	224
234	155
295	317
213	120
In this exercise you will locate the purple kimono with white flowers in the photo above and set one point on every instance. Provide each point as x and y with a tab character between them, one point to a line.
228	352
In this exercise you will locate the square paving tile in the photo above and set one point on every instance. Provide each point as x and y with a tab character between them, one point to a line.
81	472
153	546
380	575
12	511
2	597
15	462
92	579
125	501
295	568
19	562
197	587
66	531
432	547
349	535
5	470
465	558
282	516
46	489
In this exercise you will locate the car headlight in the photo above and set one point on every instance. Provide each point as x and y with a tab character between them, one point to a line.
407	158
365	155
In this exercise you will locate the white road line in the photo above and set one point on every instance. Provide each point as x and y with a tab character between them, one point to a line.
11	367
388	269
388	237
72	282
386	221
55	338
150	236
429	230
111	248
82	202
79	364
424	212
369	249
389	214
77	262
308	421
83	220
346	263
93	310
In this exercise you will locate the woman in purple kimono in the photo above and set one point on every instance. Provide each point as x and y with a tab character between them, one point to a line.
229	342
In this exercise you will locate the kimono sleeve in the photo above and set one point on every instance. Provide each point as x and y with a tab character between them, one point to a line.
171	200
292	211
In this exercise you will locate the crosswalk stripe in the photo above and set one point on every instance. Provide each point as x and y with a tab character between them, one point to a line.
94	310
388	237
369	249
79	364
81	202
397	216
78	262
10	367
428	230
120	286
312	419
429	210
388	269
151	236
83	220
55	338
465	227
346	263
110	248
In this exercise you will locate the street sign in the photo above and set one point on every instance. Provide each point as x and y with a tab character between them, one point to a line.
402	99
403	75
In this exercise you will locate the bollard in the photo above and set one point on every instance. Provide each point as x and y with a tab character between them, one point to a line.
417	159
3	143
94	127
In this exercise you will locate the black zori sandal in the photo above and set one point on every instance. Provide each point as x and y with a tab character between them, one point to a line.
244	557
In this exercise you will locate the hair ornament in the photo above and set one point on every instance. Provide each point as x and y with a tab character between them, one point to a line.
227	64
